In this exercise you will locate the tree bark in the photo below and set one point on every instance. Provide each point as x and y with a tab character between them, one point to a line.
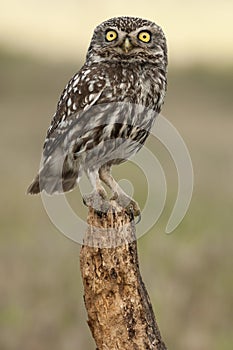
120	314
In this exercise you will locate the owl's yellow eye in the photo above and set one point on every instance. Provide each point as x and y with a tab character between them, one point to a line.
144	36
111	35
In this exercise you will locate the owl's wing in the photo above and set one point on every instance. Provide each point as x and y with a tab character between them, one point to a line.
81	93
68	125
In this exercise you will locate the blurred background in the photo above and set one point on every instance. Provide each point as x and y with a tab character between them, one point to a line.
188	273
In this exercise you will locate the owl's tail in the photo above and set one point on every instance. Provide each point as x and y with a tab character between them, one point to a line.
52	181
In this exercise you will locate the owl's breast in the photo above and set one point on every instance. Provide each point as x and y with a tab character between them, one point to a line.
133	84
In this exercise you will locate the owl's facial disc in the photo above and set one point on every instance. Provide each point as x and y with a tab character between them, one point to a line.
127	43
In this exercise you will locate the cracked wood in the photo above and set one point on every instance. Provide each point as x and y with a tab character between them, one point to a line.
120	314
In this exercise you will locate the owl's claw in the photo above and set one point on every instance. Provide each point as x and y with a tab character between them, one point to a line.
139	217
131	207
97	201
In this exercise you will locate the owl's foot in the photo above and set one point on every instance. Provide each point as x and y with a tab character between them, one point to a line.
97	200
131	207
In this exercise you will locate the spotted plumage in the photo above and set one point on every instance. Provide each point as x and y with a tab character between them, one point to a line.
106	111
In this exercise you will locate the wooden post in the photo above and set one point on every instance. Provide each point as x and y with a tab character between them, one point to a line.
120	314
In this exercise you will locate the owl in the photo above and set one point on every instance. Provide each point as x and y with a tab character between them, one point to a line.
106	111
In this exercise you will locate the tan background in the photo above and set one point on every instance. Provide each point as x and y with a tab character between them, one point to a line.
196	30
189	273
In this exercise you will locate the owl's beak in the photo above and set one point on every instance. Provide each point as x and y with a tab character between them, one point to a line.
127	46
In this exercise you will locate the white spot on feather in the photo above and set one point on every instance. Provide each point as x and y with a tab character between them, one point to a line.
91	97
75	82
64	95
91	87
122	86
69	102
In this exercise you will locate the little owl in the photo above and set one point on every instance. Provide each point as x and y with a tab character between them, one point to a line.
106	111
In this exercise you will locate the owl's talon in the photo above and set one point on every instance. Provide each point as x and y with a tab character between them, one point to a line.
139	217
129	211
131	207
133	210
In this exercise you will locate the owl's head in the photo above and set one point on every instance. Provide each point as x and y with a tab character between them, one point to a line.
128	39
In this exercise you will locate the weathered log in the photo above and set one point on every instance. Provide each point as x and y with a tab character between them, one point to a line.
120	314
